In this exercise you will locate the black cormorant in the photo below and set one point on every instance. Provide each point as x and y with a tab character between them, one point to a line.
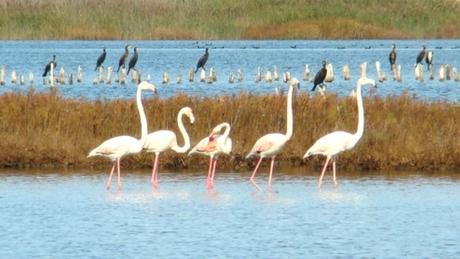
320	76
100	59
132	61
202	61
48	66
420	55
122	61
392	57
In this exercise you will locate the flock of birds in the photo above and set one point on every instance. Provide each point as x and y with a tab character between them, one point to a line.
218	143
323	76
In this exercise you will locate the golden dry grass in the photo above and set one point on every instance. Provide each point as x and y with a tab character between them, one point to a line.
46	130
223	19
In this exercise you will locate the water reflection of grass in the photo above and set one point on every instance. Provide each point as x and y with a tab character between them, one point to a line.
46	130
222	19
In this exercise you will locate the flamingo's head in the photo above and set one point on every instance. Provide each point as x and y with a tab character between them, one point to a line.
189	113
294	83
144	85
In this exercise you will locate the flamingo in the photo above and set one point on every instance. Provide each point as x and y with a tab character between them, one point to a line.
212	146
162	140
271	144
118	147
333	143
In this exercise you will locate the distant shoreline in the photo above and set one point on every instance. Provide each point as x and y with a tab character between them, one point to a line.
228	20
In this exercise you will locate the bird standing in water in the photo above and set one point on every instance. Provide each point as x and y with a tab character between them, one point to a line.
122	61
48	66
202	61
133	61
100	59
336	142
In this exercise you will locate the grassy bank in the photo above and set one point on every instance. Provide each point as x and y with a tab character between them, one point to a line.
222	19
45	130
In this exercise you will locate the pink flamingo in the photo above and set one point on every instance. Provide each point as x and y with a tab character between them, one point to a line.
212	146
118	147
162	140
271	144
333	143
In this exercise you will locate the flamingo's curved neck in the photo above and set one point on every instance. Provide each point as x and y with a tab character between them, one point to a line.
360	130
290	120
227	130
142	116
184	133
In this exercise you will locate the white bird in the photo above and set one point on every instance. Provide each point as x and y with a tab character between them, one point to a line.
79	74
191	75
202	75
268	77
346	72
2	75
118	147
276	76
333	143
442	73
165	78
306	73
271	144
14	77
108	80
258	75
330	73
162	140
212	146
61	76
239	75
31	79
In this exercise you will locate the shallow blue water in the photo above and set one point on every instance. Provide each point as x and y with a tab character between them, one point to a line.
177	57
71	215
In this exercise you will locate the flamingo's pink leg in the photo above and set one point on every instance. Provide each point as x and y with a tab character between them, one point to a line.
157	164
213	171
208	180
119	174
271	171
324	170
109	181
255	170
154	165
333	171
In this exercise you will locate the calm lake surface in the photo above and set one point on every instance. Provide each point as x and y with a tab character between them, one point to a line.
71	215
177	57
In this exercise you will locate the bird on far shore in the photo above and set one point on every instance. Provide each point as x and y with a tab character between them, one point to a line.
202	61
122	61
132	61
320	76
48	66
100	59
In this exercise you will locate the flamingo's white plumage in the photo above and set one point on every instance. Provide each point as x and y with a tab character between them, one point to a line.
162	140
338	141
271	144
212	146
118	147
